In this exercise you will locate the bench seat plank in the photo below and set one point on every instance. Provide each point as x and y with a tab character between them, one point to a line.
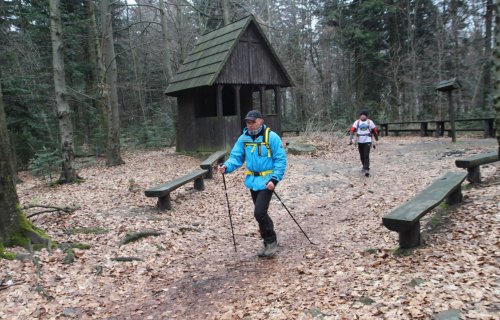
406	217
477	160
212	159
166	188
218	157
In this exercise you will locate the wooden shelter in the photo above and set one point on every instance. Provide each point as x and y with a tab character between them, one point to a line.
230	71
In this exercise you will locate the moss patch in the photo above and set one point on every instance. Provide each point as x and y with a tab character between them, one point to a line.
68	247
370	251
28	235
6	254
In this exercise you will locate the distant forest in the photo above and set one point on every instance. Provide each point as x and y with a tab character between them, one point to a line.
97	83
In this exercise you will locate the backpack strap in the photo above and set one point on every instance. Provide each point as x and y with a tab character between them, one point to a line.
257	145
266	141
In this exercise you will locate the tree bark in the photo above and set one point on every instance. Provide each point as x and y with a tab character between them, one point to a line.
9	219
68	172
166	47
98	71
496	63
113	156
487	56
226	12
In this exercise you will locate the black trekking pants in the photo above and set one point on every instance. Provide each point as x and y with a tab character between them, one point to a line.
261	201
364	154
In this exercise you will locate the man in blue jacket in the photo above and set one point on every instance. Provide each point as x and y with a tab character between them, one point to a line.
265	157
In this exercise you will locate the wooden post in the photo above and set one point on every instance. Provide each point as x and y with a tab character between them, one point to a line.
439	128
262	94
411	237
451	111
237	103
385	129
423	129
220	116
277	106
488	128
237	99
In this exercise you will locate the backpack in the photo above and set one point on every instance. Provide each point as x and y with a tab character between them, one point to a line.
265	142
356	125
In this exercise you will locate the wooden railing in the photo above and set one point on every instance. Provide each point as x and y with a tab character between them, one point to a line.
436	127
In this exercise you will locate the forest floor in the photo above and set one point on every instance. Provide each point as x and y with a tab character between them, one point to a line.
191	270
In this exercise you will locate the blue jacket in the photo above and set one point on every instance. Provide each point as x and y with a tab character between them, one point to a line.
258	163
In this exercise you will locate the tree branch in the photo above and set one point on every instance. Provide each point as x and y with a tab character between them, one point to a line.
52	209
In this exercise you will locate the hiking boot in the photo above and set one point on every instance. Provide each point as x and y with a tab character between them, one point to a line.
367	173
262	252
271	249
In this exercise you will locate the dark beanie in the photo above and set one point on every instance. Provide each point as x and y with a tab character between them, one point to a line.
364	112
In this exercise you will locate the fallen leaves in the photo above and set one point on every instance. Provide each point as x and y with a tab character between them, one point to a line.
190	271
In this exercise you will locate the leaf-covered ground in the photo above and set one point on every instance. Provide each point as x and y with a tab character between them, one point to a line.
190	270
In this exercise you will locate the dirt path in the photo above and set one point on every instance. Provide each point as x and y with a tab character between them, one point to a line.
192	272
339	208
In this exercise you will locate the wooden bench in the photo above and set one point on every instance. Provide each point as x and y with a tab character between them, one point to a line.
405	219
208	164
296	131
472	164
163	191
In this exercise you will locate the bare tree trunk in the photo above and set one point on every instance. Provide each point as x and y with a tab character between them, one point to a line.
496	73
138	82
226	12
414	106
488	19
98	71
9	219
269	21
455	21
68	173
166	47
113	156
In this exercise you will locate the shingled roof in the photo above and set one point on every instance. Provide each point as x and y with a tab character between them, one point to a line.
205	62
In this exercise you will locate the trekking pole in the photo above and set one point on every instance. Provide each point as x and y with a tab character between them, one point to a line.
293	217
229	211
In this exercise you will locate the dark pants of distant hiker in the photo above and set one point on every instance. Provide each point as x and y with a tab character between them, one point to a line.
261	201
364	154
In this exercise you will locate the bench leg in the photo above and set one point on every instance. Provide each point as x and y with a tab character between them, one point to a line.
164	203
410	238
199	184
455	197
423	129
474	175
210	173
